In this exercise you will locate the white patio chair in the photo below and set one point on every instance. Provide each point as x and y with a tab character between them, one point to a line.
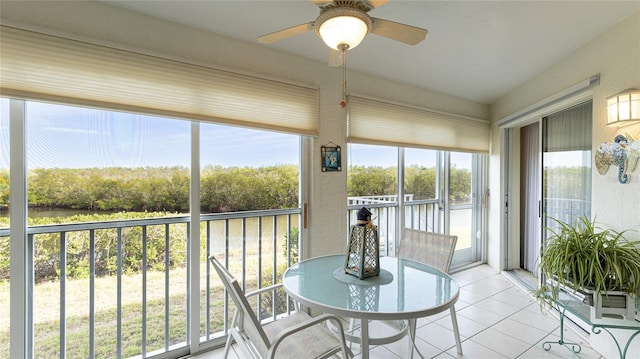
429	248
295	336
435	250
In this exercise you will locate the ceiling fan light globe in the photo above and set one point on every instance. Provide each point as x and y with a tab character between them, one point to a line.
343	30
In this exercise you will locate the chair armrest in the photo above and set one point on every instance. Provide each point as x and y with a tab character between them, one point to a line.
263	290
306	324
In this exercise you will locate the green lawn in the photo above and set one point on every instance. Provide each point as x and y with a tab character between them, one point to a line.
77	304
47	323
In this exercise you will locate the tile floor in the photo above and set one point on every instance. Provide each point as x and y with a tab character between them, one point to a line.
497	319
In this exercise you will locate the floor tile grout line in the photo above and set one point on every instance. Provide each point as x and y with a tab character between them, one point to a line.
485	329
528	346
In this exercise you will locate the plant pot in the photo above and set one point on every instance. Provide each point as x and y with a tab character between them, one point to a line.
610	303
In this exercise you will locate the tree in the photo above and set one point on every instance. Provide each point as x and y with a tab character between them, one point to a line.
4	189
459	185
420	182
372	181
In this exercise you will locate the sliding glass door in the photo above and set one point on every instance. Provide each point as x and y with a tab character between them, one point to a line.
566	162
464	197
555	177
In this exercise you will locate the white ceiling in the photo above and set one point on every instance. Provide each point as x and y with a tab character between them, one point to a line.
477	50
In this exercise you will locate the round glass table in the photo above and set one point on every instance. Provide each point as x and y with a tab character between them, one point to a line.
404	290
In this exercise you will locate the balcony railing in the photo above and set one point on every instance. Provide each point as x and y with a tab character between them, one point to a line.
119	288
566	210
419	214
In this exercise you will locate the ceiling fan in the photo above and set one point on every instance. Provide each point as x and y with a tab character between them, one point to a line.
343	24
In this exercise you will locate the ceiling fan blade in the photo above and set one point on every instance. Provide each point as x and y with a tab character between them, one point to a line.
321	2
335	58
376	3
408	34
285	33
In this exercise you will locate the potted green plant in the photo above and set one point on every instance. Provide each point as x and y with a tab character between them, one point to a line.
596	262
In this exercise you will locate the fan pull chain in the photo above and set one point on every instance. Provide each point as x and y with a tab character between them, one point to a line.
343	49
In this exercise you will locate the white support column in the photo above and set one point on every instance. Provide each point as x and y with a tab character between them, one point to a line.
21	319
193	289
400	224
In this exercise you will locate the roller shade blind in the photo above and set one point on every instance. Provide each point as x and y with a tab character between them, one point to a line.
569	130
49	68
377	122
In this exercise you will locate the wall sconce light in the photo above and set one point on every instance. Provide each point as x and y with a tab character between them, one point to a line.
624	108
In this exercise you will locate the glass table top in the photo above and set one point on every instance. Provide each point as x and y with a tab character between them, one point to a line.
404	289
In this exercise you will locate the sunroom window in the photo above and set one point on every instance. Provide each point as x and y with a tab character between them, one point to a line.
109	239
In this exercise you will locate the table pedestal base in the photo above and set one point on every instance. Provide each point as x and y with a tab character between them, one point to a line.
358	331
354	330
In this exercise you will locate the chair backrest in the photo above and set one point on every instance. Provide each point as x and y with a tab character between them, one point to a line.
247	322
429	248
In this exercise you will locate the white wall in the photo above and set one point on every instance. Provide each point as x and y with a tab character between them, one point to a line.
615	55
120	28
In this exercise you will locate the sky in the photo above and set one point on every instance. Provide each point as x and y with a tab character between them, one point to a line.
76	137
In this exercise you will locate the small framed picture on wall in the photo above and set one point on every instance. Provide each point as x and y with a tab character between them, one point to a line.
331	160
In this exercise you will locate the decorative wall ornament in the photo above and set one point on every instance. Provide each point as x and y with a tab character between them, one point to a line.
331	157
622	153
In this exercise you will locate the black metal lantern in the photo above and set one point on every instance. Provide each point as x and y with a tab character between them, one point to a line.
363	252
